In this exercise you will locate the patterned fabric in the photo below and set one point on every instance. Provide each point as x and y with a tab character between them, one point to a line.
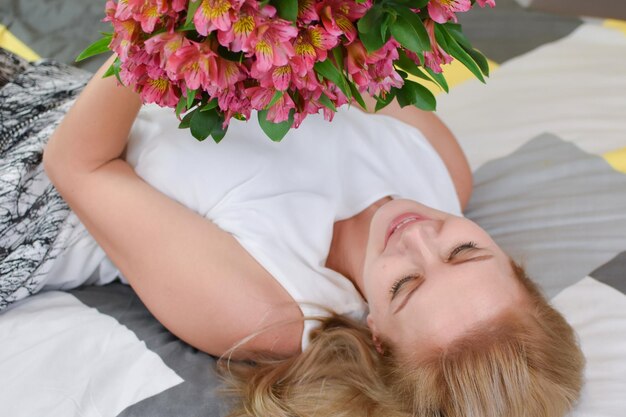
34	220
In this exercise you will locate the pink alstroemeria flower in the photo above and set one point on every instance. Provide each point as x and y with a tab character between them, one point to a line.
125	35
233	101
148	12
271	44
248	18
279	112
259	96
215	14
160	91
483	3
356	64
384	83
307	81
228	73
312	44
338	16
132	73
306	11
443	10
195	63
119	10
165	45
437	55
179	5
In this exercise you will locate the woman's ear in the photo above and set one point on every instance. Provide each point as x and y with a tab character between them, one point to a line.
377	342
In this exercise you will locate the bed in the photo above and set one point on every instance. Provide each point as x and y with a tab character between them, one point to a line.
546	139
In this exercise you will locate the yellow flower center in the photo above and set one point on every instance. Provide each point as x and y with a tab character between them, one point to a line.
304	6
215	8
230	70
150	11
160	84
129	26
263	47
316	38
303	47
284	70
244	25
344	23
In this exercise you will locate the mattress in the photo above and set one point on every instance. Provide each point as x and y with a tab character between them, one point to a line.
546	140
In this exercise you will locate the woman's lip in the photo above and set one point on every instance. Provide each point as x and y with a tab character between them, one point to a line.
402	221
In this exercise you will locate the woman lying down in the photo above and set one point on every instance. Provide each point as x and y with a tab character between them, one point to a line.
338	261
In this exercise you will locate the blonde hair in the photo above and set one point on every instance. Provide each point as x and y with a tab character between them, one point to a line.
514	366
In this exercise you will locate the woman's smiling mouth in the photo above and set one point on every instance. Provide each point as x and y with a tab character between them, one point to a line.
400	222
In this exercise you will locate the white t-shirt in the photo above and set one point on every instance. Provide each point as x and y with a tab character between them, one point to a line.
279	200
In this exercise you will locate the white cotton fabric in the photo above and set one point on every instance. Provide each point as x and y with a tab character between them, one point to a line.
280	200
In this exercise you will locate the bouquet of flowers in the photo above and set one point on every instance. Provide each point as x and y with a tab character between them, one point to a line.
212	60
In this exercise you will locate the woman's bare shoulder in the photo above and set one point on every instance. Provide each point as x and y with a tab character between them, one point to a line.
439	136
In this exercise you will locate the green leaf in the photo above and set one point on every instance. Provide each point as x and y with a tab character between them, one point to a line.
191	96
480	59
371	38
328	70
416	94
114	69
202	124
454	49
184	124
409	30
338	55
439	79
409	65
370	20
287	9
275	131
384	26
218	132
419	4
210	105
381	103
191	11
277	96
356	94
180	106
454	30
98	47
186	27
324	100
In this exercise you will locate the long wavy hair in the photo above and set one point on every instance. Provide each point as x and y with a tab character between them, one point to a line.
526	365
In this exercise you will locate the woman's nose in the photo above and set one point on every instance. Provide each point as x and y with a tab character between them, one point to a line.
421	238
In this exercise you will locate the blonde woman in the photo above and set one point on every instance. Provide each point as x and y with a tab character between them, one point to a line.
338	260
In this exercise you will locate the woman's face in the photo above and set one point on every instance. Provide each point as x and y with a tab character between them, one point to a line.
428	276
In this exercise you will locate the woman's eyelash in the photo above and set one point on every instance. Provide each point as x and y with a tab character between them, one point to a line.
461	248
396	285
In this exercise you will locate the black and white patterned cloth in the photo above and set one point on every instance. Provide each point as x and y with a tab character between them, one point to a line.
35	222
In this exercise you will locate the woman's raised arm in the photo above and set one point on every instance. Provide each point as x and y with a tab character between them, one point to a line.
95	129
195	278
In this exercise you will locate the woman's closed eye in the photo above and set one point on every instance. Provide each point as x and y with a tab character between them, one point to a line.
400	284
461	248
